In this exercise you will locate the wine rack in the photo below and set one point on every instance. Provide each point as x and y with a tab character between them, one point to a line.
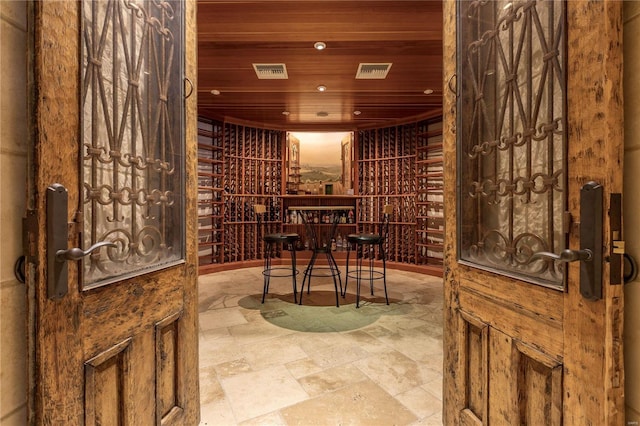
210	187
386	164
240	166
253	175
402	166
429	194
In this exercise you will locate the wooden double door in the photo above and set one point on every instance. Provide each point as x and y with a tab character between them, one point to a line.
533	158
523	344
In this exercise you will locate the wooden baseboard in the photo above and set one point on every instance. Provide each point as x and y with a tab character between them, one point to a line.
219	267
303	257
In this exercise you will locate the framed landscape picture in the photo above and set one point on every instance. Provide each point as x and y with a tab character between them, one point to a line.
320	162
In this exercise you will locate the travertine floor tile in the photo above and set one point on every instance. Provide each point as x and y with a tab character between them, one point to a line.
332	379
256	332
303	367
281	363
420	402
338	355
434	387
232	368
256	393
216	351
221	318
395	372
216	413
277	351
414	344
367	342
363	403
434	420
271	419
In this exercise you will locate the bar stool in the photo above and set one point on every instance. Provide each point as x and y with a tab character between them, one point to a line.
370	241
288	239
321	245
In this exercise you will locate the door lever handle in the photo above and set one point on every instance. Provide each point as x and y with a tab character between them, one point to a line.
77	253
591	247
58	253
566	255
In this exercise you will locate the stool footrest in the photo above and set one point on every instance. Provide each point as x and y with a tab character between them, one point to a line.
321	268
366	275
279	272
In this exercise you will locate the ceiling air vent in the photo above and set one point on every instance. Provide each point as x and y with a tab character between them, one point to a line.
373	71
271	71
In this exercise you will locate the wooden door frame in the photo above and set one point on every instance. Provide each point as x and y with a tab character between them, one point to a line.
59	109
594	114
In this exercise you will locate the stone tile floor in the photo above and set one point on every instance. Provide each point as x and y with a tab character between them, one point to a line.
280	363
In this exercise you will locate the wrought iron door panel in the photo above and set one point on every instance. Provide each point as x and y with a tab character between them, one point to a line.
132	132
512	144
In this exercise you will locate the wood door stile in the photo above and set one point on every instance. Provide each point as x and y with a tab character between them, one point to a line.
601	122
55	170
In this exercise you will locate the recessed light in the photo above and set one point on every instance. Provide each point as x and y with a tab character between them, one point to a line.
285	112
320	45
215	92
356	112
428	91
321	88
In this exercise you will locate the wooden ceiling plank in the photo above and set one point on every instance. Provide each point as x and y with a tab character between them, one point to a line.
234	34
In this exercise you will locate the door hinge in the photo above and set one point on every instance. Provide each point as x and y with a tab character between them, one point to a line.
30	236
566	222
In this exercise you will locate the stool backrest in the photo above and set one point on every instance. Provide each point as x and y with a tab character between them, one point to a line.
387	211
260	210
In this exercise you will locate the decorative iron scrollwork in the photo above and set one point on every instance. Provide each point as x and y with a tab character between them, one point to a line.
133	114
511	136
